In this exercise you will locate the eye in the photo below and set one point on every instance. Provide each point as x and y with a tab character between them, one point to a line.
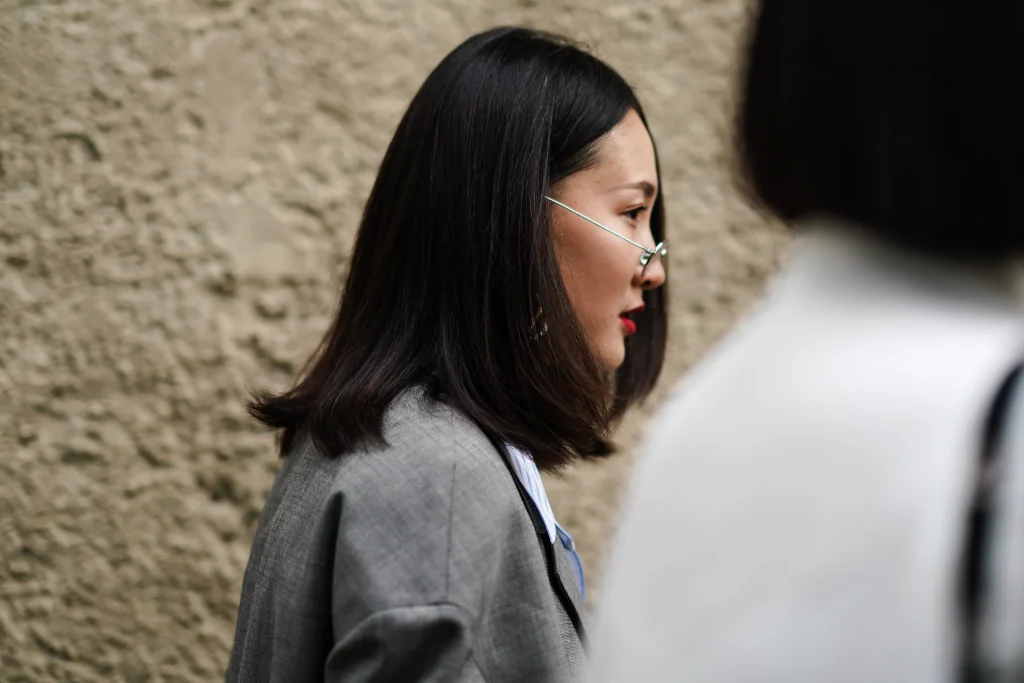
634	214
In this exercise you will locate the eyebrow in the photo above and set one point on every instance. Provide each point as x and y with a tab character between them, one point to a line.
648	189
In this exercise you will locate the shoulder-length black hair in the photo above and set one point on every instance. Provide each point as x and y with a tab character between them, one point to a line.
903	116
454	258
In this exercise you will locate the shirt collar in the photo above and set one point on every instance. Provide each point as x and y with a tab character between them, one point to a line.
531	480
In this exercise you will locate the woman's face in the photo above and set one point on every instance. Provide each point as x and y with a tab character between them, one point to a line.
601	271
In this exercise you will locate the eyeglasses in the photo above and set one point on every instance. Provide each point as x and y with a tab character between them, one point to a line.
649	256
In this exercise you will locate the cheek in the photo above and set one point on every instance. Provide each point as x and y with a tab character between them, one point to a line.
596	275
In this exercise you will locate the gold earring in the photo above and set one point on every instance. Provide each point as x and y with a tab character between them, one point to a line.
534	332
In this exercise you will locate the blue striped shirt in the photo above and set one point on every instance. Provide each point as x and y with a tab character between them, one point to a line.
529	476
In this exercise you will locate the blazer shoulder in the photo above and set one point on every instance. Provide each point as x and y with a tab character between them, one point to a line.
431	452
415	512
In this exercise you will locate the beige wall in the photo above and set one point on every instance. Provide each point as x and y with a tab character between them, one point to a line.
180	180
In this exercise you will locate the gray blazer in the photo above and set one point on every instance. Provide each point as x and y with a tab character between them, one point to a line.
421	560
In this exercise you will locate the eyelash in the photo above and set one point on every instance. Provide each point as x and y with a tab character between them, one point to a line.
634	214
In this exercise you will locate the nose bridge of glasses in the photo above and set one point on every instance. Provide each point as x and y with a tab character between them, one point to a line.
654	258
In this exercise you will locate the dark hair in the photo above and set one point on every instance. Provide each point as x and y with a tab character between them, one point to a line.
454	257
903	116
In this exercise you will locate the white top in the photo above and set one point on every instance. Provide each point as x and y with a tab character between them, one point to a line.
530	478
797	510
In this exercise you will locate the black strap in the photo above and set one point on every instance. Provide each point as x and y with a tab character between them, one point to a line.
971	590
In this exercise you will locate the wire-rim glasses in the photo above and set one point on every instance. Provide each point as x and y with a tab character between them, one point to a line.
660	250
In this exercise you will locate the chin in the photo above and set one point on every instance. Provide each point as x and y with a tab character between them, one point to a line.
613	356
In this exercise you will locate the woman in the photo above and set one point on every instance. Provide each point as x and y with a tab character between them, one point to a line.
817	494
502	309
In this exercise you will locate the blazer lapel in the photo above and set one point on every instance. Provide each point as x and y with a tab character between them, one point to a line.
566	569
560	570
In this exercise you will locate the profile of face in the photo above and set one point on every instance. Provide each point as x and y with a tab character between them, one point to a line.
603	274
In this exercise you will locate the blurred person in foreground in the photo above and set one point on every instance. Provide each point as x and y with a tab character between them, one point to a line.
836	492
503	307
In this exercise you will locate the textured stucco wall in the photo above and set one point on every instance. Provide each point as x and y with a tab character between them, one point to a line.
179	181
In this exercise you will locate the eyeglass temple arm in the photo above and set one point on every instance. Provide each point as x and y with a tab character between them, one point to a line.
650	252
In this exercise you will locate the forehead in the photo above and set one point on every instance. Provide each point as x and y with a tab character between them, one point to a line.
625	155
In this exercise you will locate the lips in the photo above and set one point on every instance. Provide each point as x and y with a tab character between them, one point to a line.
627	323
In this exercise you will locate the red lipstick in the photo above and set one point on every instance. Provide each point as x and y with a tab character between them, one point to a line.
627	323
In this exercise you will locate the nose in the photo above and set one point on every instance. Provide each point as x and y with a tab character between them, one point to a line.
651	277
